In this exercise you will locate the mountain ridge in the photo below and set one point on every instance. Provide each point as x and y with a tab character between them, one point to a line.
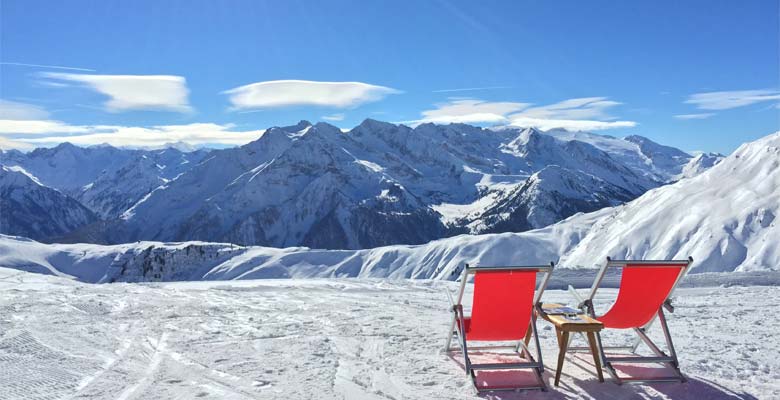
718	224
362	188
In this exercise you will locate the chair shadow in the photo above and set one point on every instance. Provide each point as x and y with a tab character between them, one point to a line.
694	388
513	378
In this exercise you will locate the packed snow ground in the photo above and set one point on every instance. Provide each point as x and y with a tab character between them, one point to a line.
336	338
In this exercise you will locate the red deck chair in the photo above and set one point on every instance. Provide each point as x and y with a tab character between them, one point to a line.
501	311
645	290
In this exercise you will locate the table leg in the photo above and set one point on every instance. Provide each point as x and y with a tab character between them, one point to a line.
563	344
594	351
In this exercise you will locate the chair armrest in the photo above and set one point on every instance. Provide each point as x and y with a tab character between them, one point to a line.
583	304
587	307
668	305
573	293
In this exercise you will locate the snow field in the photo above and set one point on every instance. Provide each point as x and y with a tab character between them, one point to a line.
329	339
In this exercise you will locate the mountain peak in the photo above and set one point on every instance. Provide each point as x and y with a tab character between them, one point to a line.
301	125
531	137
373	124
65	146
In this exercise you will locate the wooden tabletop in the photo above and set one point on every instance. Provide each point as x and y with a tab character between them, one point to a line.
583	323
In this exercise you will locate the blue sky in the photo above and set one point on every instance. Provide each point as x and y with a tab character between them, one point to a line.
698	75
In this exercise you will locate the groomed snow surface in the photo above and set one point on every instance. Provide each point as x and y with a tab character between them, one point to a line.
333	339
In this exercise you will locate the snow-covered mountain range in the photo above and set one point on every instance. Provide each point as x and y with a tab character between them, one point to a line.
725	218
31	209
377	184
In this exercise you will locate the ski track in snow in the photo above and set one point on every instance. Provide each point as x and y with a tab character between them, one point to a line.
329	339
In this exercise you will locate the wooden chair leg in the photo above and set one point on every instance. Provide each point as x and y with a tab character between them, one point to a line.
563	344
528	333
596	358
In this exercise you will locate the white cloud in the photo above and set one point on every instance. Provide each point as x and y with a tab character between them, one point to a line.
470	111
21	111
695	116
37	127
573	114
17	123
579	114
134	92
23	118
8	144
285	93
731	99
570	124
571	109
195	134
334	117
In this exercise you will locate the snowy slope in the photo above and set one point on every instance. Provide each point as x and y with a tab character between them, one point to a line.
699	164
377	184
67	167
725	218
333	339
105	179
156	261
640	154
29	208
317	186
546	197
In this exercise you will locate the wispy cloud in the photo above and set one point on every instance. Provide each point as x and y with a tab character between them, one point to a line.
695	116
196	133
571	109
573	114
579	114
286	93
471	89
570	124
334	117
8	144
21	111
134	92
725	100
470	111
46	66
38	127
24	118
133	136
24	125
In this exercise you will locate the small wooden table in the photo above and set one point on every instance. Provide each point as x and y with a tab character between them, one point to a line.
564	326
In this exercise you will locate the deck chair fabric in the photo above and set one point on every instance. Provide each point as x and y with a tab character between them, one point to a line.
515	290
501	311
645	290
